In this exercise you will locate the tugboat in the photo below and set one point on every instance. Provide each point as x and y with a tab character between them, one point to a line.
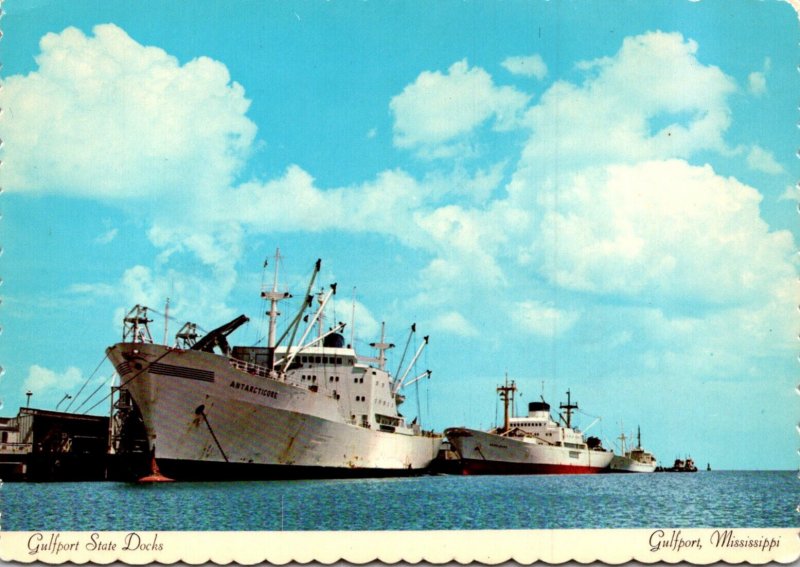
679	466
637	460
306	409
533	444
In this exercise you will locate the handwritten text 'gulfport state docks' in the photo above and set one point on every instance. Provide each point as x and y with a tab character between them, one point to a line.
54	544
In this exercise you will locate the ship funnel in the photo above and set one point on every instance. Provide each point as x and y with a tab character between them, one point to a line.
538	406
334	340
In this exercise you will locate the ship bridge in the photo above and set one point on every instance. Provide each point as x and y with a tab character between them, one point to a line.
538	423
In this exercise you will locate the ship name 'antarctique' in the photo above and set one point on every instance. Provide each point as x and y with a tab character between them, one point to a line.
254	389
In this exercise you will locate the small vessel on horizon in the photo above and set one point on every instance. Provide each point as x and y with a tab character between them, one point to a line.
680	466
636	460
533	444
310	408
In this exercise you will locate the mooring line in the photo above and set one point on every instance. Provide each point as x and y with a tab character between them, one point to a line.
201	410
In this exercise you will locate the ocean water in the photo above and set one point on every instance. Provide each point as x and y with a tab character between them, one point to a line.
704	499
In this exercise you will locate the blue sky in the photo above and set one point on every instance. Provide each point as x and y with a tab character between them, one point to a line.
591	196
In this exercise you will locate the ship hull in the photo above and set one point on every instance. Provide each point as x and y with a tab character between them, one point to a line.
487	453
205	419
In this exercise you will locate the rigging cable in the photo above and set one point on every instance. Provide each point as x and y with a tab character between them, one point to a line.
174	320
103	383
122	384
405	350
85	383
588	414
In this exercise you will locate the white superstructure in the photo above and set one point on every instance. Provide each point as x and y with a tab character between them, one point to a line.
312	409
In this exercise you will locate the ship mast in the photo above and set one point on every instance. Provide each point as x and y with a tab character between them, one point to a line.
569	406
166	321
321	317
274	296
506	393
382	347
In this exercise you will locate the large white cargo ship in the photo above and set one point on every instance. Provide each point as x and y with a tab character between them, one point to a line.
533	444
311	408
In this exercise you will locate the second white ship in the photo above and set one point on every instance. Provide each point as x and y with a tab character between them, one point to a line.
533	444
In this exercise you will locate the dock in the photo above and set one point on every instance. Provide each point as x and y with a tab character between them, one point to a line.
42	445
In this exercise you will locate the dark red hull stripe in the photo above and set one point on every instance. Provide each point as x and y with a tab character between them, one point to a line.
469	467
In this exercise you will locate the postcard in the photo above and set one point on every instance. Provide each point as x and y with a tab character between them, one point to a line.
357	281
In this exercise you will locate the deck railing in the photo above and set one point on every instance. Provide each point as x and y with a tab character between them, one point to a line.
253	369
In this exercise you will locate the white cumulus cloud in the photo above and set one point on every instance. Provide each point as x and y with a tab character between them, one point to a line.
454	323
757	80
48	384
543	319
104	116
106	237
661	229
194	295
652	99
762	160
439	109
528	66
